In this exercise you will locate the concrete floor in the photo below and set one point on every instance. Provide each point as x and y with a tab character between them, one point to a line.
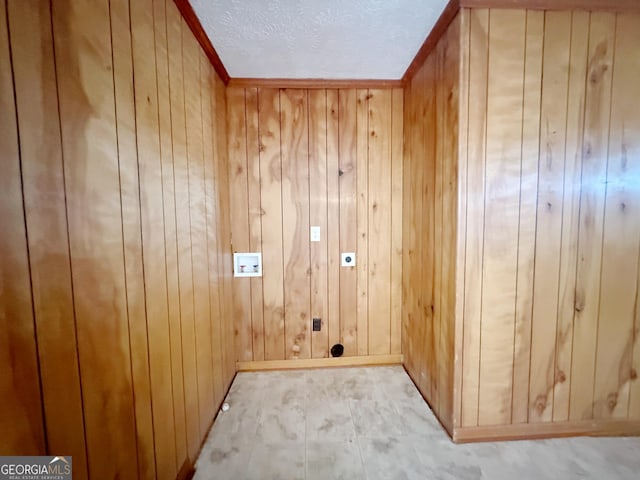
371	423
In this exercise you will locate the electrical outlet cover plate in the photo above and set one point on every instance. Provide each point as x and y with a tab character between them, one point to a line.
348	259
317	324
315	234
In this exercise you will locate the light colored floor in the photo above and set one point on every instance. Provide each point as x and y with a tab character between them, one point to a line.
371	423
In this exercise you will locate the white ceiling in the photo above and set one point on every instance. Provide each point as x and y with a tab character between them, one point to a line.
328	39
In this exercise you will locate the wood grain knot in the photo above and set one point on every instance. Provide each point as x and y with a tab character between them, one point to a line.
633	374
239	170
540	404
369	96
373	133
578	303
561	377
612	401
597	74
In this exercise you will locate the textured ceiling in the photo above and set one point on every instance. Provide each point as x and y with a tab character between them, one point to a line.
330	39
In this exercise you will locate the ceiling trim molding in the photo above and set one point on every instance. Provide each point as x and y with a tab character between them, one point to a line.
439	29
311	83
600	5
191	19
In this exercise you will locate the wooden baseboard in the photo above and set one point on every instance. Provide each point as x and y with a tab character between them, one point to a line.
529	431
320	363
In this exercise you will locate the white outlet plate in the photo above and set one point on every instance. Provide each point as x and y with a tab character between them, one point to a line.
315	234
348	259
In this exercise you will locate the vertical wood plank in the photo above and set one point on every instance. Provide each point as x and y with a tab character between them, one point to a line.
341	157
45	216
152	220
255	216
170	229
476	152
434	191
318	217
631	152
21	417
548	221
295	214
503	150
621	240
594	164
131	229
86	90
183	226
239	217
222	172
362	215
211	148
193	110
461	224
397	128
634	388
527	215
379	200
449	160
271	201
338	285
570	212
423	219
207	87
407	230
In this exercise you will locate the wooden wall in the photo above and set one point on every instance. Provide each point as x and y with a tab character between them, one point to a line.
549	176
115	261
325	157
429	227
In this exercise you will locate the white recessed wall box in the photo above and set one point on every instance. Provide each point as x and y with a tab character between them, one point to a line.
247	264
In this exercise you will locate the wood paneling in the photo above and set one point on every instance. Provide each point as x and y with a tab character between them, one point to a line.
318	216
294	141
516	124
347	149
131	228
527	229
117	304
272	224
153	238
45	215
330	158
553	339
160	15
430	209
338	298
21	416
82	35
